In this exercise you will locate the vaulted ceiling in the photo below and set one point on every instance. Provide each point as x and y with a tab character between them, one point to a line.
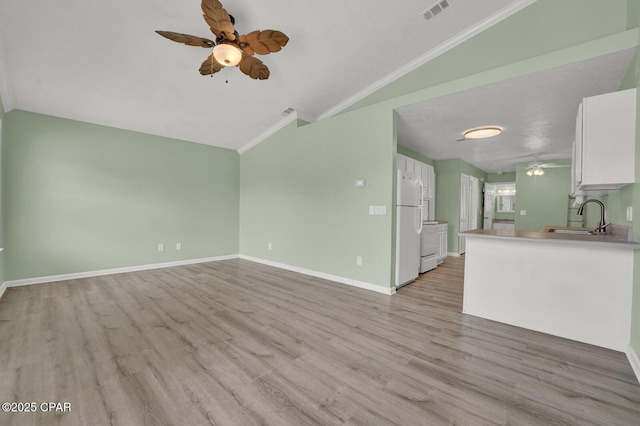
101	61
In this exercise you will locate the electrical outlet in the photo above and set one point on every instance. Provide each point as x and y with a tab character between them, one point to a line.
160	247
359	260
178	246
270	246
523	212
629	213
360	183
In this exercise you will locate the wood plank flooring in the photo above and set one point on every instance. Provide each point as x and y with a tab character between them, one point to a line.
238	343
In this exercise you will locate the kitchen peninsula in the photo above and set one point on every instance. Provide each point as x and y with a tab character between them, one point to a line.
569	285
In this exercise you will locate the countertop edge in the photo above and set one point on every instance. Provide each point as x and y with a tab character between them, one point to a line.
550	238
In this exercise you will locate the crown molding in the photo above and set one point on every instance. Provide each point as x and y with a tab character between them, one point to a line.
275	128
270	131
306	117
428	56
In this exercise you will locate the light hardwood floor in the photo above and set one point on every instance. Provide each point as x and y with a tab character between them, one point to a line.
238	343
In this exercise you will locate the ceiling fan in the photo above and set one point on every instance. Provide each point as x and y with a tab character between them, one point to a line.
536	168
230	48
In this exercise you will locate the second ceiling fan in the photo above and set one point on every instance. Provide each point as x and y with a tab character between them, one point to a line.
230	48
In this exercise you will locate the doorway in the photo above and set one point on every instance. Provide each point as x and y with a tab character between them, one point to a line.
469	205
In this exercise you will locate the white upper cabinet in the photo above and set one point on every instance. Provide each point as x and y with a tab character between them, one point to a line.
431	191
426	172
604	150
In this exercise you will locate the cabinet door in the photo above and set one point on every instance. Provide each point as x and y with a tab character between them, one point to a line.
608	140
432	182
577	151
424	176
410	166
401	162
442	250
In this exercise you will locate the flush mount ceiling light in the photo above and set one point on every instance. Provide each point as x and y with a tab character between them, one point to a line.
482	132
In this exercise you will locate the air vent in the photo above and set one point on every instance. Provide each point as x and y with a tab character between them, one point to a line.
435	10
287	111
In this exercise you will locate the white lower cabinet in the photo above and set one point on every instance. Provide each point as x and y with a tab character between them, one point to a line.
443	231
504	226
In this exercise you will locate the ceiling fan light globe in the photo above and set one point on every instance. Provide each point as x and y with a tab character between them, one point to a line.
530	172
227	55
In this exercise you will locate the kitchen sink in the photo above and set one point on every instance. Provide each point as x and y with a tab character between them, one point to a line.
572	231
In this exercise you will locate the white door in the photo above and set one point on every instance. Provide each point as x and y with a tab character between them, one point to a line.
489	199
474	203
464	209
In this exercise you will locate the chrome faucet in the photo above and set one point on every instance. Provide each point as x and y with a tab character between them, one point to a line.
602	227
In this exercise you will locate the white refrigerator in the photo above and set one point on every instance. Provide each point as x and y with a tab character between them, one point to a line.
409	217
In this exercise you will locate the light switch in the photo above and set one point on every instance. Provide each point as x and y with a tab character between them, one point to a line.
523	212
377	210
360	183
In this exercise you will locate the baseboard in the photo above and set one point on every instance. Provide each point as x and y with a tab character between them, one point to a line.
453	254
89	274
338	279
634	360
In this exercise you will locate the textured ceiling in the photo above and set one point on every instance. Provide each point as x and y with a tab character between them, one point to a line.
537	112
101	61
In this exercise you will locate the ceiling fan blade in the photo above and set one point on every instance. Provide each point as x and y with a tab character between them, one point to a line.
187	39
253	67
554	166
218	19
263	42
210	66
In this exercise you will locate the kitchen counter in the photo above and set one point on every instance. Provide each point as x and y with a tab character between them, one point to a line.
574	286
611	240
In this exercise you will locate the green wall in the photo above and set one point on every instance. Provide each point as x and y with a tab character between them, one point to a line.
543	197
81	197
2	185
298	193
504	177
448	195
